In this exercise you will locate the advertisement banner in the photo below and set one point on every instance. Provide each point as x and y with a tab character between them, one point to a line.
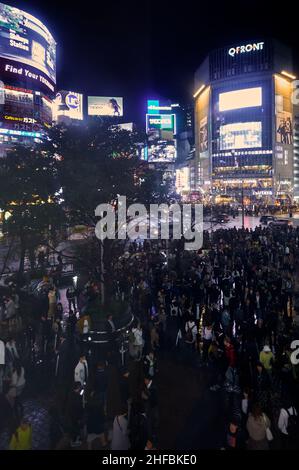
68	104
284	128
203	134
164	122
29	75
162	151
105	106
241	135
26	40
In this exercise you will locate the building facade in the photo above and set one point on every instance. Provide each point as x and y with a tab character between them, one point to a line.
27	78
244	122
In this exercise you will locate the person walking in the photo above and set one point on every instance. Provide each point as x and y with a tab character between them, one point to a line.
288	426
120	434
95	421
22	437
2	364
81	371
257	425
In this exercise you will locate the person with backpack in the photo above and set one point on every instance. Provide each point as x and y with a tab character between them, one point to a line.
288	425
191	333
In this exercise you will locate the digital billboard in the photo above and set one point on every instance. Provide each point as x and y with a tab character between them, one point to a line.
154	107
164	122
68	104
237	99
105	106
24	110
241	135
26	40
126	126
162	151
160	130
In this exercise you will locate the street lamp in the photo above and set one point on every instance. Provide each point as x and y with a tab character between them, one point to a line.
242	195
242	184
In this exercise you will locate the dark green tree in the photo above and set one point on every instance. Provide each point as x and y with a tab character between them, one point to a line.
97	162
29	194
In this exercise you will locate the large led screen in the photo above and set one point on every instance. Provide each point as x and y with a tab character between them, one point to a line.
105	106
165	122
162	152
237	99
241	135
26	40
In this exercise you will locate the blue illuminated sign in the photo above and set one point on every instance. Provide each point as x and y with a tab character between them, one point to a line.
20	133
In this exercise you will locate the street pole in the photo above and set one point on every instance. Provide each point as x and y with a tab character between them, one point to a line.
102	285
242	203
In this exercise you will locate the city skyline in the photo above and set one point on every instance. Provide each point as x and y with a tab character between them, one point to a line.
148	50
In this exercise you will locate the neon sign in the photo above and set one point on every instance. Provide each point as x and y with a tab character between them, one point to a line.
256	46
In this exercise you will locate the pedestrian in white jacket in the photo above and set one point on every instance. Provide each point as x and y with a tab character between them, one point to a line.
81	371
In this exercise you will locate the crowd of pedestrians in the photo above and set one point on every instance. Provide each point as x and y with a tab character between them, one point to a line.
229	310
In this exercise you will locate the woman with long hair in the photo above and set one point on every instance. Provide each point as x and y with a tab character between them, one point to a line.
257	425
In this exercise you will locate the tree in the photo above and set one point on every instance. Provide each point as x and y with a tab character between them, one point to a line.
98	162
29	193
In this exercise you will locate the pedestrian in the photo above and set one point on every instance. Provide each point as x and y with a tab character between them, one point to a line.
81	371
74	414
101	382
150	364
288	425
12	354
95	423
150	402
138	341
22	437
2	364
190	333
120	433
16	385
71	297
257	425
267	359
52	296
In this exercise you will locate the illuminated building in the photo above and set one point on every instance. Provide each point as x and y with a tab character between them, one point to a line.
244	122
296	139
28	78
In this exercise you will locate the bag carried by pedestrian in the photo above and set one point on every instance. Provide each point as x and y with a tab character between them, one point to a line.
292	427
269	434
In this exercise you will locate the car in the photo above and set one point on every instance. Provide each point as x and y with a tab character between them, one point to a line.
265	219
281	223
224	218
220	219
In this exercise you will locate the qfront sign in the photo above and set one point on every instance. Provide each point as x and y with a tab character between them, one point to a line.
251	47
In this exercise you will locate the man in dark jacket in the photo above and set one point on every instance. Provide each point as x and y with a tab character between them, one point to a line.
261	385
101	382
150	402
74	414
138	426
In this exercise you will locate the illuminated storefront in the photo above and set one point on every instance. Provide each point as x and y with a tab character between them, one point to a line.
28	77
244	121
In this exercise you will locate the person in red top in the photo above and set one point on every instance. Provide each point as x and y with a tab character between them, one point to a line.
230	352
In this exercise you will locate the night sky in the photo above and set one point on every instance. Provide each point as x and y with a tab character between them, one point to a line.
151	48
